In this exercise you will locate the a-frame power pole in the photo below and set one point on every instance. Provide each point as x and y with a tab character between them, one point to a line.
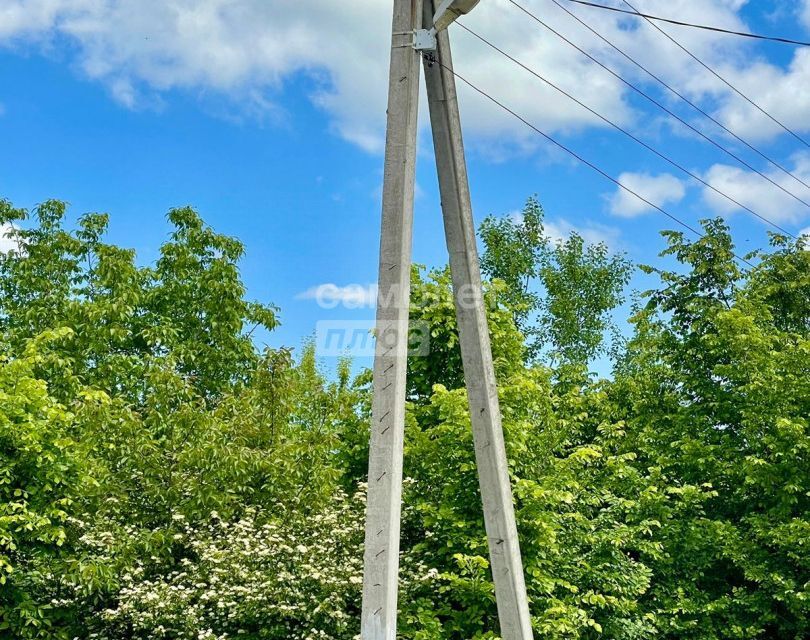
381	557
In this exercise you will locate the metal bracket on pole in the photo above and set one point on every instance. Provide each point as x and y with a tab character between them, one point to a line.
421	39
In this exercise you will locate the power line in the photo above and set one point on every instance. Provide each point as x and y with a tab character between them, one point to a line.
675	92
588	163
651	99
744	34
723	80
630	135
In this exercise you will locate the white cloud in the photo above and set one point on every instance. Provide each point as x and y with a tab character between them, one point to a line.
660	190
759	195
783	93
560	229
804	14
243	50
7	240
353	296
247	50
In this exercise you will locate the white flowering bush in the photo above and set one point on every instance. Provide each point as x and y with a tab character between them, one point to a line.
257	576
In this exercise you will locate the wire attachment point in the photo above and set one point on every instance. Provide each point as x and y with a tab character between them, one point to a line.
421	40
424	40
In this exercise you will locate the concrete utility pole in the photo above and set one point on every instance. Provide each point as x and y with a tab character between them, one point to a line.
387	427
476	353
381	555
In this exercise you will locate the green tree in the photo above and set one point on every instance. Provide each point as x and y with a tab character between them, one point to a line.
718	396
188	309
40	477
514	247
562	293
173	410
436	354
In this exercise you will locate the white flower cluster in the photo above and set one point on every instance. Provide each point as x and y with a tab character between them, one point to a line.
257	576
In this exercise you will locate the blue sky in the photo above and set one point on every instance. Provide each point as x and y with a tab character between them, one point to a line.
267	116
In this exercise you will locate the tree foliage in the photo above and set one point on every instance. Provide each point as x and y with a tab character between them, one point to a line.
40	478
562	292
161	477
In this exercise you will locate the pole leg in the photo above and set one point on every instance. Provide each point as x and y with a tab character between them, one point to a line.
479	373
381	554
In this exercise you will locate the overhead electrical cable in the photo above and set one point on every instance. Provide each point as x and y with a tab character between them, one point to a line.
723	80
744	34
583	160
678	94
630	135
657	103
